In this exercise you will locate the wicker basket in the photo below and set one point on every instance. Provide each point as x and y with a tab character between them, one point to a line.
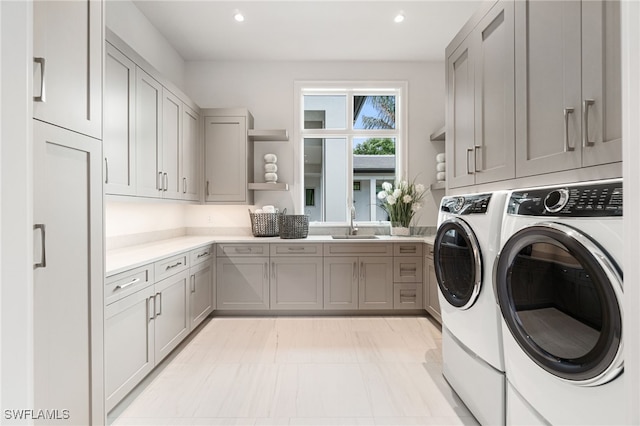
294	226
264	224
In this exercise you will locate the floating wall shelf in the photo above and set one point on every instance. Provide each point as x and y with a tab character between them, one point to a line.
268	135
437	186
269	186
438	135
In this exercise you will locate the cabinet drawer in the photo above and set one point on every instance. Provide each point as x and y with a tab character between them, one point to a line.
407	296
126	283
408	249
243	250
201	254
171	265
368	249
288	249
407	269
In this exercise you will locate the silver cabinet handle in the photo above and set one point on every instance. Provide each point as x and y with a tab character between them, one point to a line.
130	283
173	266
243	249
362	270
469	150
151	313
206	253
158	304
159	182
586	105
476	148
295	248
266	270
207	192
355	271
184	185
43	258
165	182
193	283
567	147
106	170
42	97
273	270
408	249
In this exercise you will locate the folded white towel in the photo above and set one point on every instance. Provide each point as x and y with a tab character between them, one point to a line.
441	176
270	177
440	158
441	167
270	167
270	158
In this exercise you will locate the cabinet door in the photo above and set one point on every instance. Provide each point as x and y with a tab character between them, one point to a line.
129	344
242	283
340	283
171	313
296	283
601	83
67	50
68	276
376	283
191	159
119	123
225	146
460	116
494	150
548	88
200	292
148	131
171	157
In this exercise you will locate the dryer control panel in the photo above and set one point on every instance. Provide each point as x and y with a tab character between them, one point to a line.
467	204
582	200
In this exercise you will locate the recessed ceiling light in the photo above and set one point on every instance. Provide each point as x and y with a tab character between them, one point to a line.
399	18
238	16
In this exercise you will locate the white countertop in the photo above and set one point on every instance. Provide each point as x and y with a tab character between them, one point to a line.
122	259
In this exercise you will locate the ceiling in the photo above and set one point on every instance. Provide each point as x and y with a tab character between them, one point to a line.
305	30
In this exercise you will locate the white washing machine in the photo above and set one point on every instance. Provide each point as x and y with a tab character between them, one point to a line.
465	247
559	288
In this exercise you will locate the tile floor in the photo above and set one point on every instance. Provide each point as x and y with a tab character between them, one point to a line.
313	371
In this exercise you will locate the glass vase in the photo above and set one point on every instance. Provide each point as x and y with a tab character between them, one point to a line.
398	230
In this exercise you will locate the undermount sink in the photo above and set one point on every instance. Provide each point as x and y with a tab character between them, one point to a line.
354	237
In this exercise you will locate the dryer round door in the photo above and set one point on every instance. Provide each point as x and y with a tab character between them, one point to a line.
458	263
560	295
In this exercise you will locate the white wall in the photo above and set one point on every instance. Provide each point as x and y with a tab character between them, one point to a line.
138	217
126	20
267	90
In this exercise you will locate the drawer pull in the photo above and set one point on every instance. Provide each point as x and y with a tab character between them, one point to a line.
130	283
243	249
408	270
295	248
206	253
173	266
410	249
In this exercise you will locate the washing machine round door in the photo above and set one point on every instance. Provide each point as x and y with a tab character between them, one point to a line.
560	295
458	263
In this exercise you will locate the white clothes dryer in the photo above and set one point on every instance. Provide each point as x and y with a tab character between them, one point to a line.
559	288
465	247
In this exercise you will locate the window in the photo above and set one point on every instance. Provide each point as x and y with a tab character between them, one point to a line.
350	139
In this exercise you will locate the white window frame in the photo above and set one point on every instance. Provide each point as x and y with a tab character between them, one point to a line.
347	88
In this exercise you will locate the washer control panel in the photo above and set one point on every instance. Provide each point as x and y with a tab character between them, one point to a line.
467	204
581	200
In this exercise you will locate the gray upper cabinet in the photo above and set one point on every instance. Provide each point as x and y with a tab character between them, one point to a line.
67	50
480	83
119	116
190	160
601	83
547	86
148	134
568	85
228	155
171	155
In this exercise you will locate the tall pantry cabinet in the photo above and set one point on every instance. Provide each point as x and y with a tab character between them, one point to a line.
68	229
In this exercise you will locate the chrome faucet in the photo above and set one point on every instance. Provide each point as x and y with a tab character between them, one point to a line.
353	230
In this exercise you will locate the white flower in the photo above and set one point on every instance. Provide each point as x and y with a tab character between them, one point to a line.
403	184
407	199
382	195
396	193
391	199
419	188
387	186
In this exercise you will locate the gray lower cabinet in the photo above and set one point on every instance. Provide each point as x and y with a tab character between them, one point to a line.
431	301
201	292
242	277
358	276
171	305
407	276
129	344
296	276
